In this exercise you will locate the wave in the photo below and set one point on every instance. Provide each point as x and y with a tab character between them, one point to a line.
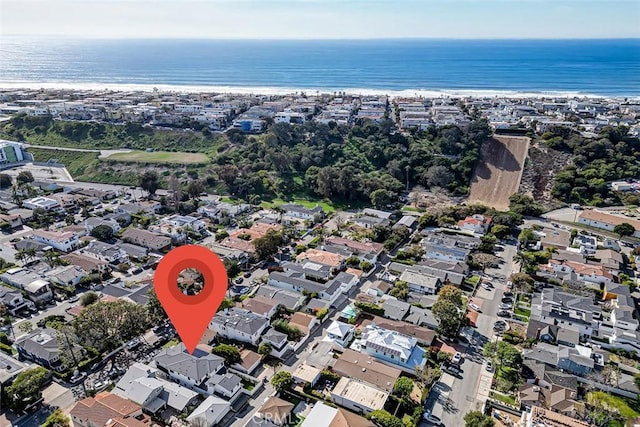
275	90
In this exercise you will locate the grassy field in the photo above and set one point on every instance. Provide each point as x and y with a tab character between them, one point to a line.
77	162
326	206
159	157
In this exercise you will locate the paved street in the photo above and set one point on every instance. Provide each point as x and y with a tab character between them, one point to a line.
451	398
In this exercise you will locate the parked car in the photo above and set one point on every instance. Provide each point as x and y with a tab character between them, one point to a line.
133	344
247	274
475	307
489	366
239	280
432	419
453	370
500	325
74	298
503	313
508	294
485	286
457	358
507	300
504	306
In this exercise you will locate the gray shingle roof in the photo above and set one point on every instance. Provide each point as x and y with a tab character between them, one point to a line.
199	366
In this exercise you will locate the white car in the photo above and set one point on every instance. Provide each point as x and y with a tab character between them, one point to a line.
432	419
475	307
504	306
457	358
485	286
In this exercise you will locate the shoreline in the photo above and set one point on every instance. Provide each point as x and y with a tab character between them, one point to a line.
283	91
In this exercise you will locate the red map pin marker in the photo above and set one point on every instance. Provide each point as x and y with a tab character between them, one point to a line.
190	314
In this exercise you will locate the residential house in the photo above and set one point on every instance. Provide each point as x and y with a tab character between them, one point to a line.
369	251
9	369
321	257
147	239
395	309
190	370
42	203
155	394
249	361
240	325
477	224
41	347
364	368
210	412
294	281
108	410
304	322
10	222
421	283
275	411
424	336
37	289
301	212
261	305
62	241
358	396
305	373
444	253
278	342
391	347
68	275
106	252
13	301
340	333
607	221
290	299
94	221
545	417
552	306
323	415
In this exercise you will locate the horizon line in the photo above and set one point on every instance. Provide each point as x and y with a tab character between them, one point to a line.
398	38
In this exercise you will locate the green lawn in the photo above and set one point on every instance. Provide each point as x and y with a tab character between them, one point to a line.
159	157
326	206
509	400
76	162
171	343
472	281
522	312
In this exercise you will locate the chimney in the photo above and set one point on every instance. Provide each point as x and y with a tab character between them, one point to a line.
538	334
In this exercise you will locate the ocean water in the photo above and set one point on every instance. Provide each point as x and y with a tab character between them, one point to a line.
594	67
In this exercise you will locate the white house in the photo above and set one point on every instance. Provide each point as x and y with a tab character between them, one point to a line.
477	224
607	221
65	241
340	333
238	324
210	412
43	203
278	342
357	396
421	283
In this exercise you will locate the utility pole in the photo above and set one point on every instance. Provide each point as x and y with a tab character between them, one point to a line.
407	170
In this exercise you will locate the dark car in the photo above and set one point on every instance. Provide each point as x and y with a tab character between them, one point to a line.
503	313
247	275
239	280
507	300
453	370
508	294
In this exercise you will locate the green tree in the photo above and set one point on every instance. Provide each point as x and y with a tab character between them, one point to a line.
522	282
383	418
230	353
636	381
264	349
5	181
155	311
268	244
478	419
57	419
88	298
282	381
605	407
195	188
403	387
501	231
527	236
449	310
624	229
24	177
105	325
149	181
232	266
380	198
102	232
26	388
487	244
400	290
503	354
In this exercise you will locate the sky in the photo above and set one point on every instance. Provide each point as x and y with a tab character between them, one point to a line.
322	19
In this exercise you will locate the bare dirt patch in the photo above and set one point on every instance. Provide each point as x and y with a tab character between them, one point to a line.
499	170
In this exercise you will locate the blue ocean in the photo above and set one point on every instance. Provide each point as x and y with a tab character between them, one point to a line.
595	67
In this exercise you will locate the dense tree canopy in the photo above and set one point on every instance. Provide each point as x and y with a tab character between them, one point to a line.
478	419
612	155
282	381
449	310
27	387
105	325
